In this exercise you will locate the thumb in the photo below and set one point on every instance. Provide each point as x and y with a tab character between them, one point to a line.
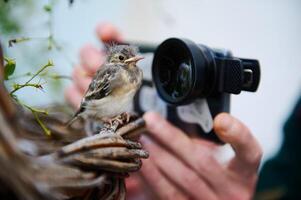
247	150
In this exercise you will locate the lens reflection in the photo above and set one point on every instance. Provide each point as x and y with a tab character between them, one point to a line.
175	77
182	81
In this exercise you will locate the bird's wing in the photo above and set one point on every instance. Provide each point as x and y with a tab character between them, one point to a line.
106	79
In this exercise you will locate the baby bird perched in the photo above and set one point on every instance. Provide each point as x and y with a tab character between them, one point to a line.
113	87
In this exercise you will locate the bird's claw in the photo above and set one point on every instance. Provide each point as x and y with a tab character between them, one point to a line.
118	120
127	117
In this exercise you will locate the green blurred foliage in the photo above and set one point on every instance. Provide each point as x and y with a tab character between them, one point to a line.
9	23
9	68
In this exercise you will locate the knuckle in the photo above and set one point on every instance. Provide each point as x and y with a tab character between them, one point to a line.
195	186
245	133
204	157
235	197
255	158
235	193
203	161
172	194
255	152
241	195
190	180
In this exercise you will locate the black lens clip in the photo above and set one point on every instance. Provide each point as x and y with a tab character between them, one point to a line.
237	74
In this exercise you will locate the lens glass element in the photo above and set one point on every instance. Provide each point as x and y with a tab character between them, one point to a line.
175	76
173	71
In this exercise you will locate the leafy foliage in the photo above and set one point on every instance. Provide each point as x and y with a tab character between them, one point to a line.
36	112
9	23
28	83
9	68
48	8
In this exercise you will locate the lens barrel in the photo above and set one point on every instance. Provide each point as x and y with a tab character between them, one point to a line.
183	71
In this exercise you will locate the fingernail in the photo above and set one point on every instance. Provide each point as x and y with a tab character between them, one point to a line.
226	123
152	119
145	140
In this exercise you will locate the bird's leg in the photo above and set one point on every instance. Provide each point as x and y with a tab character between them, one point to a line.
117	118
121	119
127	116
108	121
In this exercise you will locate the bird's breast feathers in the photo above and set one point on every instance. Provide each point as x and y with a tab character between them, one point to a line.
120	96
110	106
128	85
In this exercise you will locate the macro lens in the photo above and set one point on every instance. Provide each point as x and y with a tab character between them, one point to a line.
175	74
183	71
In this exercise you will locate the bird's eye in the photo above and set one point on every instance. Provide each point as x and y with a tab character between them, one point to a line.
121	58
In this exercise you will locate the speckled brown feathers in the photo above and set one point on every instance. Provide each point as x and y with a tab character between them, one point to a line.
107	78
113	86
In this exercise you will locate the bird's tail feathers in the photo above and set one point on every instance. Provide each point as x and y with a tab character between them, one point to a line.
71	121
75	117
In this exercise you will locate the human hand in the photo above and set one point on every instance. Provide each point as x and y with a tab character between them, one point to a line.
187	169
183	168
91	58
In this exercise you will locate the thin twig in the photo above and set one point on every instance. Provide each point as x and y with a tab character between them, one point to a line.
17	40
45	129
49	9
43	75
49	64
35	85
35	113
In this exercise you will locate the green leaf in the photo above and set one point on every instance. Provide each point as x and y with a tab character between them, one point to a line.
48	8
9	68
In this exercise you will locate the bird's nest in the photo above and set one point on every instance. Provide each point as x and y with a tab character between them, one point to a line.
68	164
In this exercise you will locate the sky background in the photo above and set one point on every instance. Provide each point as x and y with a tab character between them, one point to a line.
268	30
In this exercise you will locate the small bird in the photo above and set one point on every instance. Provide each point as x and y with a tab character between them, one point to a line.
113	87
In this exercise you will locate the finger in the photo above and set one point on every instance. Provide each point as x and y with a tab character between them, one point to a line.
196	156
73	96
81	79
207	143
91	58
133	186
162	187
247	150
176	171
106	32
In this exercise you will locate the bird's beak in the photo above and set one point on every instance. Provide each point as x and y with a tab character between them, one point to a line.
133	59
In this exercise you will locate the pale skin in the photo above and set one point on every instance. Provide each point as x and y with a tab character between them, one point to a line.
179	167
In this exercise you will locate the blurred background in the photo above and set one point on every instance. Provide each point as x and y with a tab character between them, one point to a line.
268	30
